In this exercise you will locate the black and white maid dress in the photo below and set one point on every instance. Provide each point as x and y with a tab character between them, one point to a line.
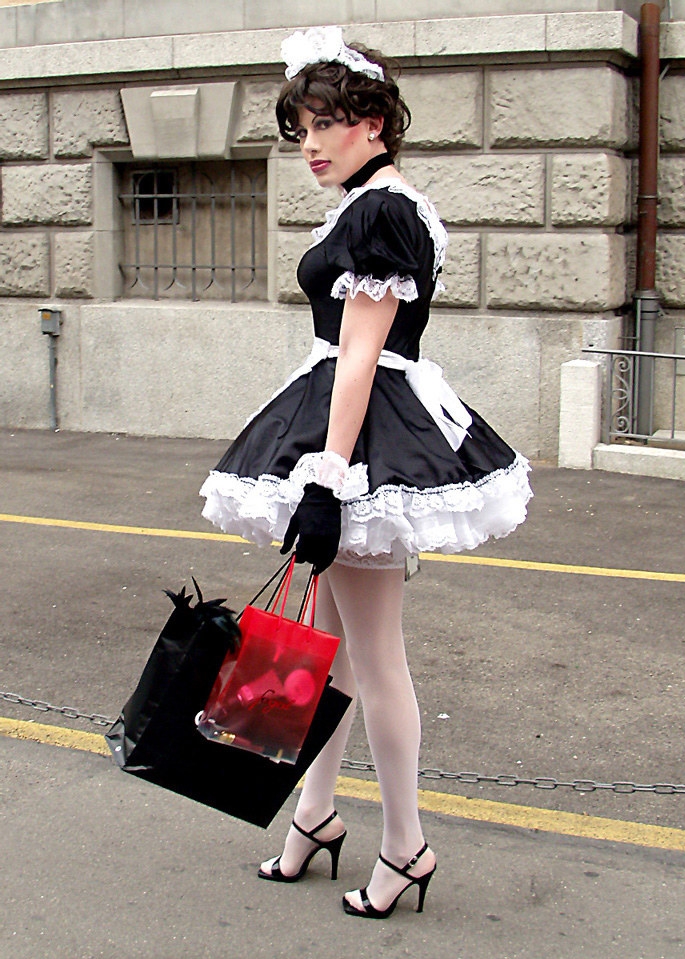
427	472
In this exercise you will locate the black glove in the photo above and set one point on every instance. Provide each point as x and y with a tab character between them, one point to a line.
317	524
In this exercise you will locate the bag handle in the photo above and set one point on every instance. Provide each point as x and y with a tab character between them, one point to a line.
281	572
309	593
284	575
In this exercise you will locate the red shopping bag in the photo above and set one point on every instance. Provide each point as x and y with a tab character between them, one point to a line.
264	699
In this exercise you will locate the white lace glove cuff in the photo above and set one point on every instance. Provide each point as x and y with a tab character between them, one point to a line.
331	470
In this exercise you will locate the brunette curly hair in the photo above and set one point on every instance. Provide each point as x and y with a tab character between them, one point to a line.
340	89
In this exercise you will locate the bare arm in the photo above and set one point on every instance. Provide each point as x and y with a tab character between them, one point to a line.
365	327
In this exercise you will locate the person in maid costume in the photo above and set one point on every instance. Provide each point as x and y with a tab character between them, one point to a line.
365	457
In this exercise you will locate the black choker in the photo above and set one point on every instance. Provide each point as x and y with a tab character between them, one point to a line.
362	175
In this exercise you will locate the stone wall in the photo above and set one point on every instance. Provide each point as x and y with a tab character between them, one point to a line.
523	136
24	24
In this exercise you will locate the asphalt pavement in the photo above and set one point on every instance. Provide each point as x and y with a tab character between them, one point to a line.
554	655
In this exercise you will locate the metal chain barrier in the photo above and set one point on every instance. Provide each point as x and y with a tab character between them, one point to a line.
69	711
467	778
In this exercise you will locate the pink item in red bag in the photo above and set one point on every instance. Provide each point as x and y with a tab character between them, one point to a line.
264	701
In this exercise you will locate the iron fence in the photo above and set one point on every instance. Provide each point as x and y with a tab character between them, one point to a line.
195	233
657	417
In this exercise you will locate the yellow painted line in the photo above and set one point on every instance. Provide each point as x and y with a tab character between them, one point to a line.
556	567
54	736
643	574
480	810
110	528
528	817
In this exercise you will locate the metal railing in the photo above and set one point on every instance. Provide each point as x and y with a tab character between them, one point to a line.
663	420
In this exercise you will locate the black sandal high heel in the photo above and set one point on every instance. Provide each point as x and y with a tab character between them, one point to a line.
332	845
370	912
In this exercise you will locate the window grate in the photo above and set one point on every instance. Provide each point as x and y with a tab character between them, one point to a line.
196	231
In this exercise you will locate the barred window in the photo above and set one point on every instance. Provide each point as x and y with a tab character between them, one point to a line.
195	230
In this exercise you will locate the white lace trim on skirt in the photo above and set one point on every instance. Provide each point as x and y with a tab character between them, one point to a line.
394	521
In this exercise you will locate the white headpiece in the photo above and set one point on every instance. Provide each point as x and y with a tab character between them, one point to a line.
324	45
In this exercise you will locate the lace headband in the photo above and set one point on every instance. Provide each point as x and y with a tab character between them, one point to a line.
324	45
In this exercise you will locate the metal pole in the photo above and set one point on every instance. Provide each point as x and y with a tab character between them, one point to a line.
646	298
52	353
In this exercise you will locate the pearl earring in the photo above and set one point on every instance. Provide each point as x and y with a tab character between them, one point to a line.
372	136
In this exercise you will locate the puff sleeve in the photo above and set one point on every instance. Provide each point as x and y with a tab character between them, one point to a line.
383	246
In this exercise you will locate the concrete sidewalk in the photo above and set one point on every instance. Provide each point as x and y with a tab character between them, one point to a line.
563	659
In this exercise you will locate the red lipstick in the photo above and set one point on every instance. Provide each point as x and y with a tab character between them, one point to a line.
318	166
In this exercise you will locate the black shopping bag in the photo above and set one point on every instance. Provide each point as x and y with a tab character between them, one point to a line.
156	739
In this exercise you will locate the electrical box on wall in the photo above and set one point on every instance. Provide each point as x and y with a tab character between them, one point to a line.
50	321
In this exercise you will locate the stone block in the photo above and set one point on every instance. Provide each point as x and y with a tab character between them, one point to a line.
493	363
447	109
480	190
589	189
672	110
394	39
23	126
580	413
673	39
558	106
580	271
670	263
603	30
640	461
8	27
85	119
69	21
258	113
24	382
480	35
177	16
461	272
24	264
301	201
304	13
291	247
87	59
74	264
239	48
47	193
671	209
127	387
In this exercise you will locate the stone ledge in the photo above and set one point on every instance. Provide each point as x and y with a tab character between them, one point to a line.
640	461
481	35
673	40
610	31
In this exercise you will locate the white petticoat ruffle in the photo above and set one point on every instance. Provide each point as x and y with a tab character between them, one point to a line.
401	287
393	522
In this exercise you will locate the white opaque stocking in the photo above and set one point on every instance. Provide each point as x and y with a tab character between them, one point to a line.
364	607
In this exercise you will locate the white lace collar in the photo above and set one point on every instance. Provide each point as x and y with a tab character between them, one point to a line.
425	209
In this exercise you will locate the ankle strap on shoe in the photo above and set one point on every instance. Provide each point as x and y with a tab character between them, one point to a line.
313	832
404	870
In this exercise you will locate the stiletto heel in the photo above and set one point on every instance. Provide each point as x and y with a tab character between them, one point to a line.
332	845
369	911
